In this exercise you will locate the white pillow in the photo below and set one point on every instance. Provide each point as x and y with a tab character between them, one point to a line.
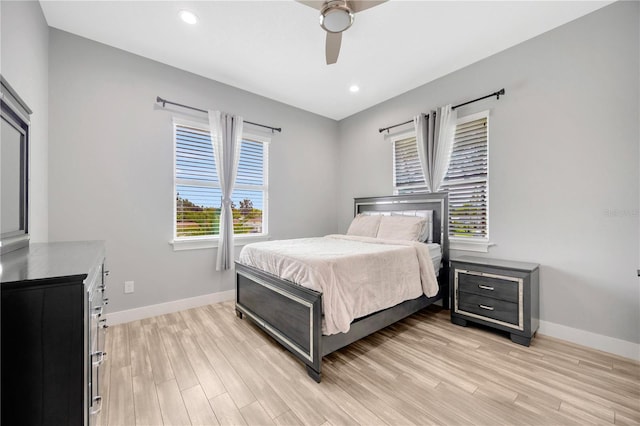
427	231
401	227
364	226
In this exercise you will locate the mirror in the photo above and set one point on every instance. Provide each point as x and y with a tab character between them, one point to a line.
14	163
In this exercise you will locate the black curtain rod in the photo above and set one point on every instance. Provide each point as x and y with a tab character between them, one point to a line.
164	102
496	94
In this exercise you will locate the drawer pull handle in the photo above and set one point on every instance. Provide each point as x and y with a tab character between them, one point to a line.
98	400
97	311
488	308
101	357
485	287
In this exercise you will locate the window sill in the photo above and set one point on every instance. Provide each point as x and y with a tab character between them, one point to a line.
481	246
208	242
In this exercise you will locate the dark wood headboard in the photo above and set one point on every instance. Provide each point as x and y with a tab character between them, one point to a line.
438	202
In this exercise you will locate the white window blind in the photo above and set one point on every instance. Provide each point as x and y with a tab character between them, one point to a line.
407	173
466	180
198	196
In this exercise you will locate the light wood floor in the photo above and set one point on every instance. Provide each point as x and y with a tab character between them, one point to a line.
205	366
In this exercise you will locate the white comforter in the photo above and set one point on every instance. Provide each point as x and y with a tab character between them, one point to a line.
356	275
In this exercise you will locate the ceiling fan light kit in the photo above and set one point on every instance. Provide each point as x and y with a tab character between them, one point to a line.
336	16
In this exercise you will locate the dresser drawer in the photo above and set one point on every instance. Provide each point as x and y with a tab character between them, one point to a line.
500	310
482	284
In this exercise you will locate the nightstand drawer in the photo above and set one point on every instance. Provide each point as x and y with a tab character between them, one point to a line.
499	310
489	285
502	294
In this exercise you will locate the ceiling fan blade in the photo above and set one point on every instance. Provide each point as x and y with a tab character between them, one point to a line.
360	5
316	4
332	49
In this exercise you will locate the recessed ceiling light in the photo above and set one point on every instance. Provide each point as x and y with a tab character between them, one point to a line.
354	88
188	17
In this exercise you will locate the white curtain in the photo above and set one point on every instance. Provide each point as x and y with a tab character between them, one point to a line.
226	137
434	136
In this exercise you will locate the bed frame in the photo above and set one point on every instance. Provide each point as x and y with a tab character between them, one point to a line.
292	314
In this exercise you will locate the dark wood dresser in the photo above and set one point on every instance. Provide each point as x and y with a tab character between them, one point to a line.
502	294
52	333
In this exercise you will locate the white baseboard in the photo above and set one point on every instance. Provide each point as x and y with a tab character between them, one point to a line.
586	338
169	307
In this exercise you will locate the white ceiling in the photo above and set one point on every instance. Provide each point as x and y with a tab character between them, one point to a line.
276	48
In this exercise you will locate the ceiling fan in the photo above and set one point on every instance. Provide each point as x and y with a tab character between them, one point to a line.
337	16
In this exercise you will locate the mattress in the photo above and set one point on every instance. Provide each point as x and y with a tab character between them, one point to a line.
357	276
435	252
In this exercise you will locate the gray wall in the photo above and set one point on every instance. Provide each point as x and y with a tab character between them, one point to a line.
563	162
24	57
111	166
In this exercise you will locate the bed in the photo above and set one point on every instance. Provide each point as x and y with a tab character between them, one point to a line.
293	314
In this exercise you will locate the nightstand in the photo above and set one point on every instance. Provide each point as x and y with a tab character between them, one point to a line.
502	294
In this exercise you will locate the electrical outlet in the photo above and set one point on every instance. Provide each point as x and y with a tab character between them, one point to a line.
128	286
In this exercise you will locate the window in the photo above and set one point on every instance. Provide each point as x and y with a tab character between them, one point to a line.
198	196
466	180
407	172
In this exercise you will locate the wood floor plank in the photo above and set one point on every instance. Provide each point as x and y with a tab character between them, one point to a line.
541	414
261	389
145	399
180	365
584	416
160	365
233	383
382	409
149	321
172	407
422	370
198	407
627	368
567	389
623	419
226	411
496	392
120	404
288	418
310	391
139	353
254	414
349	404
209	380
164	321
215	327
281	380
120	355
234	327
